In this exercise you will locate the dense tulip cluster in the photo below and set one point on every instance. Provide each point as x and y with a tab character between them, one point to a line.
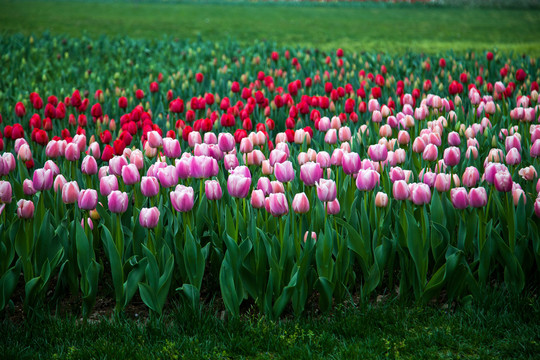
230	169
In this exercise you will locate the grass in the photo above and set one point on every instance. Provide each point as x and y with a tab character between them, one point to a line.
503	327
356	28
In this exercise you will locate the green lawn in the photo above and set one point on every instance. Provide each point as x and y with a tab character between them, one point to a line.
393	29
497	329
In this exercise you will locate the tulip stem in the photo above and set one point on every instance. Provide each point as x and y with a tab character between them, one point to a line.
200	191
237	220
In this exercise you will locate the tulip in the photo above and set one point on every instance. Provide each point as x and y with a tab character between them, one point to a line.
116	165
331	136
491	170
24	153
442	182
428	178
418	145
503	181
378	152
72	152
517	195
182	198
130	174
284	172
277	156
367	179
238	185
478	197
87	199
213	190
203	167
454	139
107	184
396	173
210	138
326	190
154	139
535	149
118	202
226	142
136	157
171	148
167	176
25	209
381	200
300	203
5	192
43	179
246	145
470	176
257	199
70	192
59	182
344	134
351	163
400	190
451	156
313	235
513	157
230	161
459	197
323	159
28	187
194	137
89	165
332	207
149	217
149	186
537	207
310	173
528	173
430	152
277	204
420	193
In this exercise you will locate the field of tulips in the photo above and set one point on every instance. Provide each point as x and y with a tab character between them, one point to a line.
279	177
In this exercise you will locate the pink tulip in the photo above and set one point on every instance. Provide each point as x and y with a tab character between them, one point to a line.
420	193
324	124
430	153
276	204
118	202
154	139
203	167
182	198
167	176
451	156
149	217
116	164
230	161
70	192
367	179
238	185
257	199
344	134
513	157
400	190
337	157
351	163
5	192
171	148
43	179
396	173
535	149
503	181
277	187
213	190
246	145
537	207
130	174
94	150
459	197
472	151
28	187
226	142
470	176
72	152
491	170
528	173
59	182
442	182
52	149
478	197
303	158
25	154
517	195
265	185
284	172
428	177
136	157
51	165
418	145
378	152
381	200
108	184
323	159
194	138
210	138
25	209
300	203
149	186
277	156
242	170
403	137
311	234
310	173
326	190
331	136
332	207
87	199
89	165
512	142
454	139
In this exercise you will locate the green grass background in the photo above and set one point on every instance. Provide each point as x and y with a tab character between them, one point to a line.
393	29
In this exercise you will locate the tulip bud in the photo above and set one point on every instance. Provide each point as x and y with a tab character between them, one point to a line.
149	217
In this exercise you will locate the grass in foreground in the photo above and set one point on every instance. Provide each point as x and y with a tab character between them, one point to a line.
386	29
500	327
